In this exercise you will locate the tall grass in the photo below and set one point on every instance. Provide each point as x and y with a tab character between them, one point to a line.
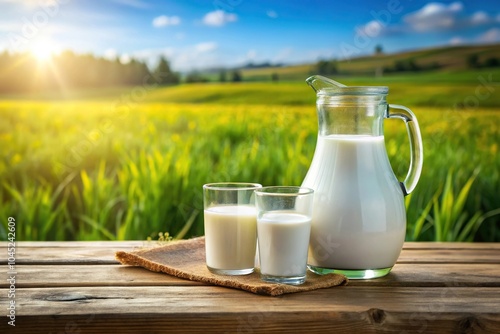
83	171
449	219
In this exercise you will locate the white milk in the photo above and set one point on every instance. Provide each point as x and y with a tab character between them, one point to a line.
283	243
230	236
359	218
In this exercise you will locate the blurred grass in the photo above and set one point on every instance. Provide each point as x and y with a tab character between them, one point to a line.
99	168
452	90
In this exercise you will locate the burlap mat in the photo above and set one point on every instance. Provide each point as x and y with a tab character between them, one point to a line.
186	259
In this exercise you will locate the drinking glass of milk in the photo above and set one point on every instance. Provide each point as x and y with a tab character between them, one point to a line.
230	227
283	228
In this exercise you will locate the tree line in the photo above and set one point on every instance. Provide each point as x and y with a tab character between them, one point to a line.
23	73
474	62
329	67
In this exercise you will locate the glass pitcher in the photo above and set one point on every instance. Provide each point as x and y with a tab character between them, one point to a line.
359	218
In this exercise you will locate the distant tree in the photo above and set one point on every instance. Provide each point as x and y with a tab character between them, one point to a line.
195	77
73	71
115	71
412	65
434	66
222	76
163	74
236	76
135	72
403	65
163	66
326	67
492	62
472	60
274	77
378	49
399	66
321	66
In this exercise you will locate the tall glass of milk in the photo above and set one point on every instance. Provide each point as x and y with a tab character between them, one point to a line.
283	228
230	227
359	219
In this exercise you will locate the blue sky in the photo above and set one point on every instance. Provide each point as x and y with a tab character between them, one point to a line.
195	34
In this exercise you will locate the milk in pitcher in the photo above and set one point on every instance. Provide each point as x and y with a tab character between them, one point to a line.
361	223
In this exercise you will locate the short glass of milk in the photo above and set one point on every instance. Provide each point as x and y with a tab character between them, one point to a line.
230	222
283	228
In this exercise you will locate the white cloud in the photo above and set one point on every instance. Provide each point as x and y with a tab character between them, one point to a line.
490	36
218	18
272	14
456	6
187	58
28	3
283	56
251	55
431	17
480	18
163	21
125	58
372	29
133	3
457	41
205	47
211	55
9	27
434	16
243	59
151	56
110	54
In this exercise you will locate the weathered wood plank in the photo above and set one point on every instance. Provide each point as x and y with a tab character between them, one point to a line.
435	288
75	256
206	299
438	275
423	275
369	321
38	276
105	255
451	245
213	309
143	243
450	256
96	253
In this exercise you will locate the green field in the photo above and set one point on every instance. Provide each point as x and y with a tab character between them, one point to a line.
128	163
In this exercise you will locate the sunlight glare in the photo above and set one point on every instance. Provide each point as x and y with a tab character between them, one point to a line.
43	51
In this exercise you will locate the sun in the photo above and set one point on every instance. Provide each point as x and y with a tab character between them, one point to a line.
43	51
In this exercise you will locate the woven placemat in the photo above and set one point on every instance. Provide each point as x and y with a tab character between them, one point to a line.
186	259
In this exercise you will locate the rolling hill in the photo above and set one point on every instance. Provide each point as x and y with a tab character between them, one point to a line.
447	59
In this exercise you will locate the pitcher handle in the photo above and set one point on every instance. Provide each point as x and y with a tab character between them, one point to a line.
416	147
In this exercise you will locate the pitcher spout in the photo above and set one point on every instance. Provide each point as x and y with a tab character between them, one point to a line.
319	82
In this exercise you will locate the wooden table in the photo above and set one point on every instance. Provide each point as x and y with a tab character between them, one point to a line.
78	287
